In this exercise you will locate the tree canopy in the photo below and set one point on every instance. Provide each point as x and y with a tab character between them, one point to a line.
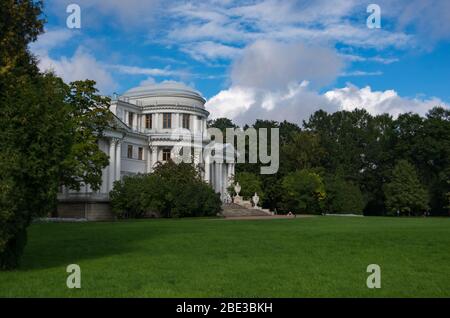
49	131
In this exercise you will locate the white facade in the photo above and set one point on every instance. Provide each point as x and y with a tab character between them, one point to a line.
152	124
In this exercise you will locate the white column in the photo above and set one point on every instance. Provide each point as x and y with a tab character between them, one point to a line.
104	186
176	121
112	162
205	129
194	125
156	123
149	161
118	159
219	177
207	171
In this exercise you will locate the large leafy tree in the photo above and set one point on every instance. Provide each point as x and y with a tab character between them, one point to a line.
425	142
304	192
343	196
49	131
304	151
89	115
405	193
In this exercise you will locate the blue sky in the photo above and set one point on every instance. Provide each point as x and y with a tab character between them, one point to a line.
260	59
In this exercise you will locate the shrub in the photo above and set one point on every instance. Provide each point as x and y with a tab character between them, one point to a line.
173	190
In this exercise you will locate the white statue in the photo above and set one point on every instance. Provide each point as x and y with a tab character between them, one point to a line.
255	199
226	198
237	188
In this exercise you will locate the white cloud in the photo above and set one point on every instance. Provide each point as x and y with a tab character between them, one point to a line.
376	59
208	50
427	19
231	102
379	102
297	102
320	21
281	81
52	39
274	65
81	66
362	73
246	104
276	80
135	70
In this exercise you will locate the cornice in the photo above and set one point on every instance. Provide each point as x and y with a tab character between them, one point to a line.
176	107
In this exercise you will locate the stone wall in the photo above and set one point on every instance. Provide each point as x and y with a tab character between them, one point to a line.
90	206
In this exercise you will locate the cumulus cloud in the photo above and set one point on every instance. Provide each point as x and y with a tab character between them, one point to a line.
52	39
296	103
81	66
379	102
282	81
277	80
274	65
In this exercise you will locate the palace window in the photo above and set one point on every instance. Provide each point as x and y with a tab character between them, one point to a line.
167	120
130	119
186	121
140	153
148	121
130	151
166	154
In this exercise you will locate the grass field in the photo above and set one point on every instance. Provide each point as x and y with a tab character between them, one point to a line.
303	257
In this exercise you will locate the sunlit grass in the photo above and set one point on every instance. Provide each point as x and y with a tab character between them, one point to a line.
310	257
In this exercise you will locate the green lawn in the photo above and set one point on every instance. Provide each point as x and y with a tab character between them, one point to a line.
305	257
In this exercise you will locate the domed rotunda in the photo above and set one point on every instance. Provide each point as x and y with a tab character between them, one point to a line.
152	124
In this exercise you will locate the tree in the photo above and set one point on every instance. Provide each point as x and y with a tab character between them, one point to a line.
221	123
23	96
304	151
40	132
304	192
343	196
90	115
405	193
426	143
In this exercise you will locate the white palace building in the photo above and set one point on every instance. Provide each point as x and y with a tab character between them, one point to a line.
152	123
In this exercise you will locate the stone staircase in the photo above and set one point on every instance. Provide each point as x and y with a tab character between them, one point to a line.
243	209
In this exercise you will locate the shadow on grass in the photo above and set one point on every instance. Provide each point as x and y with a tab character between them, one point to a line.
60	244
